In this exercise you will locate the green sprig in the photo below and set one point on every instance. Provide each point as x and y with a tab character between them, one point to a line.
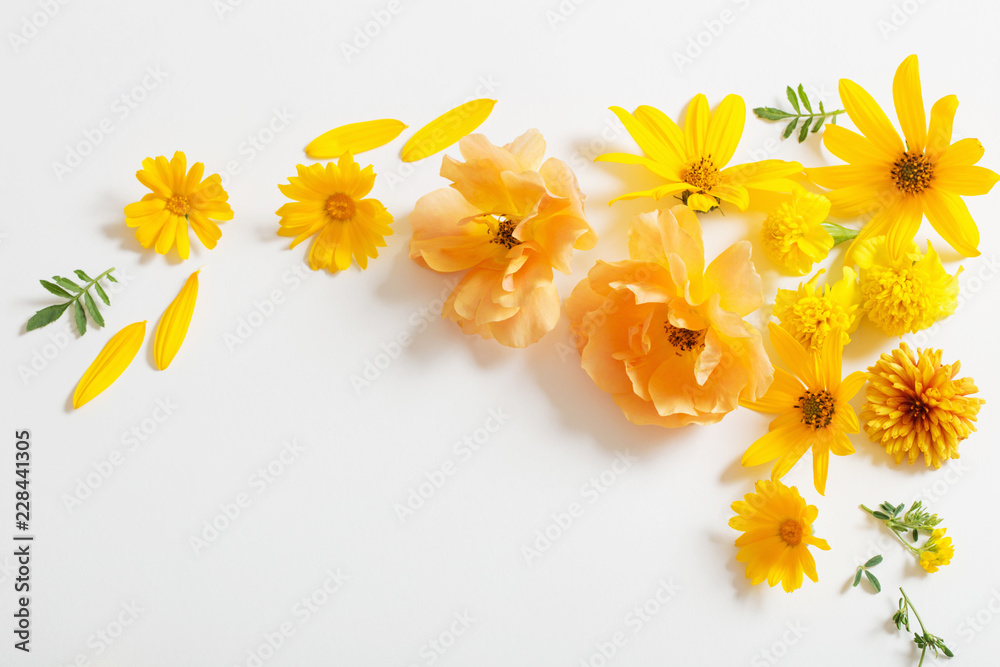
79	297
922	639
864	569
811	121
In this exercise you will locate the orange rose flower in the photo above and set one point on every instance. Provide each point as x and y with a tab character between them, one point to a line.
666	336
508	219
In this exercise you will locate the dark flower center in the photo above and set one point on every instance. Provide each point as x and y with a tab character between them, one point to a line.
912	173
817	408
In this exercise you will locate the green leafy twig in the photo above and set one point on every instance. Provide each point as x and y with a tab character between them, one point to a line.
916	520
811	122
923	639
79	297
864	569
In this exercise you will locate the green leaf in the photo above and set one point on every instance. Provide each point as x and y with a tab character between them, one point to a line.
55	289
804	131
81	320
947	651
857	577
46	316
111	278
794	100
83	276
873	561
770	113
821	109
790	128
839	234
874	581
833	119
101	293
916	535
818	124
68	284
92	309
805	98
880	515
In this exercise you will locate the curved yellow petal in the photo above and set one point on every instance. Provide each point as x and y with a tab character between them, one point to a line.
942	119
965	180
664	128
173	326
110	363
354	138
909	212
446	129
650	142
696	127
852	147
725	129
950	217
909	104
868	116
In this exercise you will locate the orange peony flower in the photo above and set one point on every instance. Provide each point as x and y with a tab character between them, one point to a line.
666	336
508	219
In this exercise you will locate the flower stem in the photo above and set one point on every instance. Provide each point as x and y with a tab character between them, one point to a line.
923	630
840	234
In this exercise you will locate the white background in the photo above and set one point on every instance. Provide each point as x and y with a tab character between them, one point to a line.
332	508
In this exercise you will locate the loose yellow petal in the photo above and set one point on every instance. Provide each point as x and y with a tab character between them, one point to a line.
354	138
446	129
110	363
173	326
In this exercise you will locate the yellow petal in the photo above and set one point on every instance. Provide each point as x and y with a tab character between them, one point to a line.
942	120
110	363
354	138
725	129
868	116
909	103
173	326
446	129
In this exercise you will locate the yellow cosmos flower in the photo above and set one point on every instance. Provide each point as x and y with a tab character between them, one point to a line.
328	203
916	406
810	314
777	532
937	551
898	184
693	162
793	235
178	197
907	293
812	408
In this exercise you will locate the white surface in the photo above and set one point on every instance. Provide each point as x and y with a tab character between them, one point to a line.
333	506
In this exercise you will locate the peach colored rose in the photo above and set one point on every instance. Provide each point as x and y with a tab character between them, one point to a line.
665	335
508	219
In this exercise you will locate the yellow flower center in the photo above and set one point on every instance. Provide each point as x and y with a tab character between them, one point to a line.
817	408
791	532
503	234
811	318
702	174
340	206
912	173
684	339
178	205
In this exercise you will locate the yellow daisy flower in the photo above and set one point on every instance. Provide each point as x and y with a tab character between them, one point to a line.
810	314
907	293
328	203
693	162
916	406
777	533
937	551
794	237
178	197
898	184
812	408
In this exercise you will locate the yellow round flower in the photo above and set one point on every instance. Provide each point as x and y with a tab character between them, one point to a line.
328	203
905	294
937	551
916	406
178	197
794	237
810	314
777	531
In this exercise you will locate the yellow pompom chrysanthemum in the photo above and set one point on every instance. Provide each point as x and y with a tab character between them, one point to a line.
916	406
328	203
777	532
810	314
793	234
179	197
907	293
